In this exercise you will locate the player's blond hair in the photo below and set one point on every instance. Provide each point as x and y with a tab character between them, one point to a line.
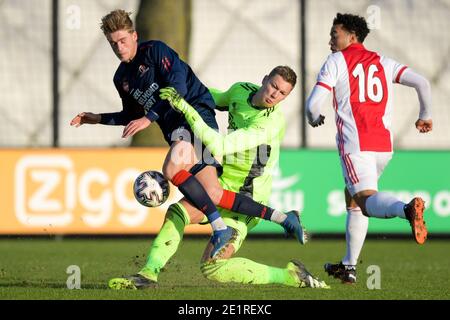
286	73
116	20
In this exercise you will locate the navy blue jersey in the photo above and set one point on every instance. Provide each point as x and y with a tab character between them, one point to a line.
155	66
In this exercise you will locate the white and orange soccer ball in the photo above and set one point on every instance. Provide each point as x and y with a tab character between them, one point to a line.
151	189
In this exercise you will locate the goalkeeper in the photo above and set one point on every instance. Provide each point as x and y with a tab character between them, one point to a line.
250	153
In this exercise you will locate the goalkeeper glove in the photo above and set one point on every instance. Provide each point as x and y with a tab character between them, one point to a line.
174	98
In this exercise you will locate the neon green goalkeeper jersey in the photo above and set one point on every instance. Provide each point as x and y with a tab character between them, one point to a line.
251	148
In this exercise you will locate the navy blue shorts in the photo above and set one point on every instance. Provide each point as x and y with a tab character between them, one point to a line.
175	128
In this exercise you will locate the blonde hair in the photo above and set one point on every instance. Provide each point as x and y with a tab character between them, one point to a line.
116	20
286	73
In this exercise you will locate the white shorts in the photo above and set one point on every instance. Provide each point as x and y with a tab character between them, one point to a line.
363	169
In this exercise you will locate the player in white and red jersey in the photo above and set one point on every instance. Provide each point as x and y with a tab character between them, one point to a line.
361	82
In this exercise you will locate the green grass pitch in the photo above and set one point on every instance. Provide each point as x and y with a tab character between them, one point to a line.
36	269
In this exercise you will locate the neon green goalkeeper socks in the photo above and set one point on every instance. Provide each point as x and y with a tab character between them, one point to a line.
246	271
166	243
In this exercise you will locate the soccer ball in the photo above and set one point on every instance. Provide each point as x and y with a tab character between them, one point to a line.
151	189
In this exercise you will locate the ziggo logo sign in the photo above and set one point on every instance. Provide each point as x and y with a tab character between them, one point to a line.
38	206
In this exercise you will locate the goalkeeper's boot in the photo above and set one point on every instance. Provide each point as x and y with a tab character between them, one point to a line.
414	213
346	273
293	225
134	282
304	277
220	238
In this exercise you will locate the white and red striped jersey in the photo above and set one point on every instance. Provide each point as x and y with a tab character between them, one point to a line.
361	81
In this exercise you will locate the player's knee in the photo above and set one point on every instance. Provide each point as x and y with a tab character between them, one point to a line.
356	210
362	204
213	268
361	197
225	253
170	171
364	212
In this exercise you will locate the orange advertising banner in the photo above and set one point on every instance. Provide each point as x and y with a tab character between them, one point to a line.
79	191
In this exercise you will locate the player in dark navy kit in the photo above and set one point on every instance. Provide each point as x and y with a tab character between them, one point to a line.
146	68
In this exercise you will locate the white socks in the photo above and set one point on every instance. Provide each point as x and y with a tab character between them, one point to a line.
218	224
379	205
278	217
385	206
356	230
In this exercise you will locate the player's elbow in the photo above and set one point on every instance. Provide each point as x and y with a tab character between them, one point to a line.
421	84
423	88
426	85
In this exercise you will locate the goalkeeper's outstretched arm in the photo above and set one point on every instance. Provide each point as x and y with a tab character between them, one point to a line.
237	141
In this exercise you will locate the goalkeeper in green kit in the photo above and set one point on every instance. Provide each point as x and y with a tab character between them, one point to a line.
250	152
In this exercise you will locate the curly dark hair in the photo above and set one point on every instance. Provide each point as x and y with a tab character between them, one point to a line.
353	23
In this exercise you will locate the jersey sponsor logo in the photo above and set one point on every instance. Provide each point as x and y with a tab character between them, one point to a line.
146	98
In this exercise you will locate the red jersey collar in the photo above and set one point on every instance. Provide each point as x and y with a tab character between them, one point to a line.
356	45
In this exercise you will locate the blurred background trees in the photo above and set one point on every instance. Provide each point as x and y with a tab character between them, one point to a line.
170	22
